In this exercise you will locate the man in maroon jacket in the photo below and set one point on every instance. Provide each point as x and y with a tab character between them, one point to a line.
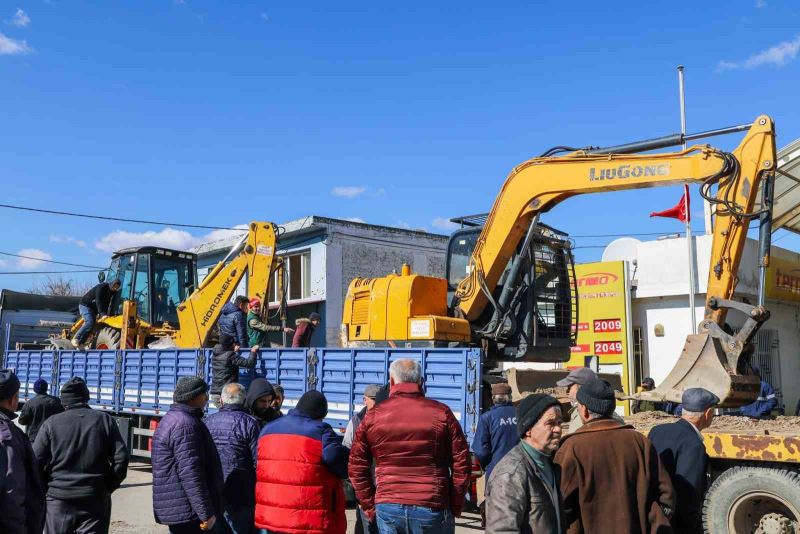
421	459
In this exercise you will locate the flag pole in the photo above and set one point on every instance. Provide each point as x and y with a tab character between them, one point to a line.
689	238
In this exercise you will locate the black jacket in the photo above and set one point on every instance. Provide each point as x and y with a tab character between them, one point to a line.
684	457
99	298
225	367
36	411
22	505
81	453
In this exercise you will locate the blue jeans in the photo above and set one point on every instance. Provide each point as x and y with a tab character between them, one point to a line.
407	519
89	316
240	519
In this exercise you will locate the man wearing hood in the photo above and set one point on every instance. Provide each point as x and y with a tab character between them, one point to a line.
225	364
233	320
305	329
260	395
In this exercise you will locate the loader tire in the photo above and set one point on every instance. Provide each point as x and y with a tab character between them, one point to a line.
107	338
59	343
757	500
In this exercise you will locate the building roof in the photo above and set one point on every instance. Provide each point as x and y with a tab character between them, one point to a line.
315	223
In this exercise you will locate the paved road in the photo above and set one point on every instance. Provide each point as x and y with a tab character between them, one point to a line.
132	511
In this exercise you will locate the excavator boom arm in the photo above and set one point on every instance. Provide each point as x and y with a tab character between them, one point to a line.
255	255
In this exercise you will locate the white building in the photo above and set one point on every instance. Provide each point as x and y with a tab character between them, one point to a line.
323	255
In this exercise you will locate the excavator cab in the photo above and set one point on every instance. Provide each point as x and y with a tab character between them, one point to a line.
156	279
539	322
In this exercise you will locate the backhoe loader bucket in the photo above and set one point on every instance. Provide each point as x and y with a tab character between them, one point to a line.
703	364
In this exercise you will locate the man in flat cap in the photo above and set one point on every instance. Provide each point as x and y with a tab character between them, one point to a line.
497	429
680	447
611	477
21	492
522	495
573	382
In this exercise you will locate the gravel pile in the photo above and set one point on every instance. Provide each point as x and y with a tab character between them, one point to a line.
781	425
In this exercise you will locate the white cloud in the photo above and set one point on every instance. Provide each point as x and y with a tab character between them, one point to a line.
354	219
777	56
404	225
168	238
348	191
3	262
13	47
20	19
68	239
761	3
27	263
444	224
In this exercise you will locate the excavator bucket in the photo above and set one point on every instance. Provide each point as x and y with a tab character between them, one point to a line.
704	364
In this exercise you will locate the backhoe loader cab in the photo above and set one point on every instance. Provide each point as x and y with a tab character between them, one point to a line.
156	279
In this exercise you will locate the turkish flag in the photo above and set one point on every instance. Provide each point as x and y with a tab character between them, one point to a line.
680	211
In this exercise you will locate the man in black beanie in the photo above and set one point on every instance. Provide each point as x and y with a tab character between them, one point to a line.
83	459
527	475
611	477
22	495
37	410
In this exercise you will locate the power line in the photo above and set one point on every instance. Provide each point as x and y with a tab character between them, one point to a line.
51	261
49	272
119	219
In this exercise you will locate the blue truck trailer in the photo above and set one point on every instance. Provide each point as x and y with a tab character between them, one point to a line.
136	385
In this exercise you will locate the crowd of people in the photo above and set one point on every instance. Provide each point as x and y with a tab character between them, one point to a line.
247	468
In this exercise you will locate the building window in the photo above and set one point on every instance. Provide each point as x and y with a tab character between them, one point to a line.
298	278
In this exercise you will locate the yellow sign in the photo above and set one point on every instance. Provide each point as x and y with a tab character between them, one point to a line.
602	319
783	279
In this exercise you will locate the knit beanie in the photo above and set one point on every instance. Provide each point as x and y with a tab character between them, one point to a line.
40	386
9	384
314	316
314	404
189	387
74	391
530	409
598	397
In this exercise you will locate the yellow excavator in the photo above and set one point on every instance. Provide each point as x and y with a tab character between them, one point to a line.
160	300
511	283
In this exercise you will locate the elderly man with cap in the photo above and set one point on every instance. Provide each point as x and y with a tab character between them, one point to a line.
187	473
83	459
522	495
680	447
496	433
573	382
611	477
305	330
225	364
258	330
301	461
37	410
21	492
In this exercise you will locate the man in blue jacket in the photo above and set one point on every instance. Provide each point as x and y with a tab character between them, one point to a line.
235	433
497	429
187	493
766	401
680	447
233	321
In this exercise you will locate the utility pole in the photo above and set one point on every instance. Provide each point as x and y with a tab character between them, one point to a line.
689	239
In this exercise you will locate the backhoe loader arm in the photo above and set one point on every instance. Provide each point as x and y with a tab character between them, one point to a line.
254	254
539	184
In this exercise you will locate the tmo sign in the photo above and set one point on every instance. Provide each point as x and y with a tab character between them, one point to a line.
596	279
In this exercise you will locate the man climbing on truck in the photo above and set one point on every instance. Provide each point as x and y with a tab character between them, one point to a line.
97	300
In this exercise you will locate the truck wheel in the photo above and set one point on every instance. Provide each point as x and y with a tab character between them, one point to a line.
755	500
59	343
107	339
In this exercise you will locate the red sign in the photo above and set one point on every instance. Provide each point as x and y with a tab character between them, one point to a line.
607	347
607	325
580	348
583	327
596	279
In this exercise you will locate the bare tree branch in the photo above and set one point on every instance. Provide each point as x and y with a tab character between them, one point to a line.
61	287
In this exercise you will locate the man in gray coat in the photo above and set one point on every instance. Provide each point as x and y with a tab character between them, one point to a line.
522	494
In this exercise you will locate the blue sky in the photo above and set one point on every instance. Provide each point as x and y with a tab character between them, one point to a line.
218	113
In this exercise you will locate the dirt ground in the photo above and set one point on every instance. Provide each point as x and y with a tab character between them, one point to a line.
781	425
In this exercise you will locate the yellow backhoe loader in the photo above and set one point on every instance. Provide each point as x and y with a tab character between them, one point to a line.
160	299
511	282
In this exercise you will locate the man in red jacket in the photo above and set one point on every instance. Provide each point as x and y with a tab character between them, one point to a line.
421	459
